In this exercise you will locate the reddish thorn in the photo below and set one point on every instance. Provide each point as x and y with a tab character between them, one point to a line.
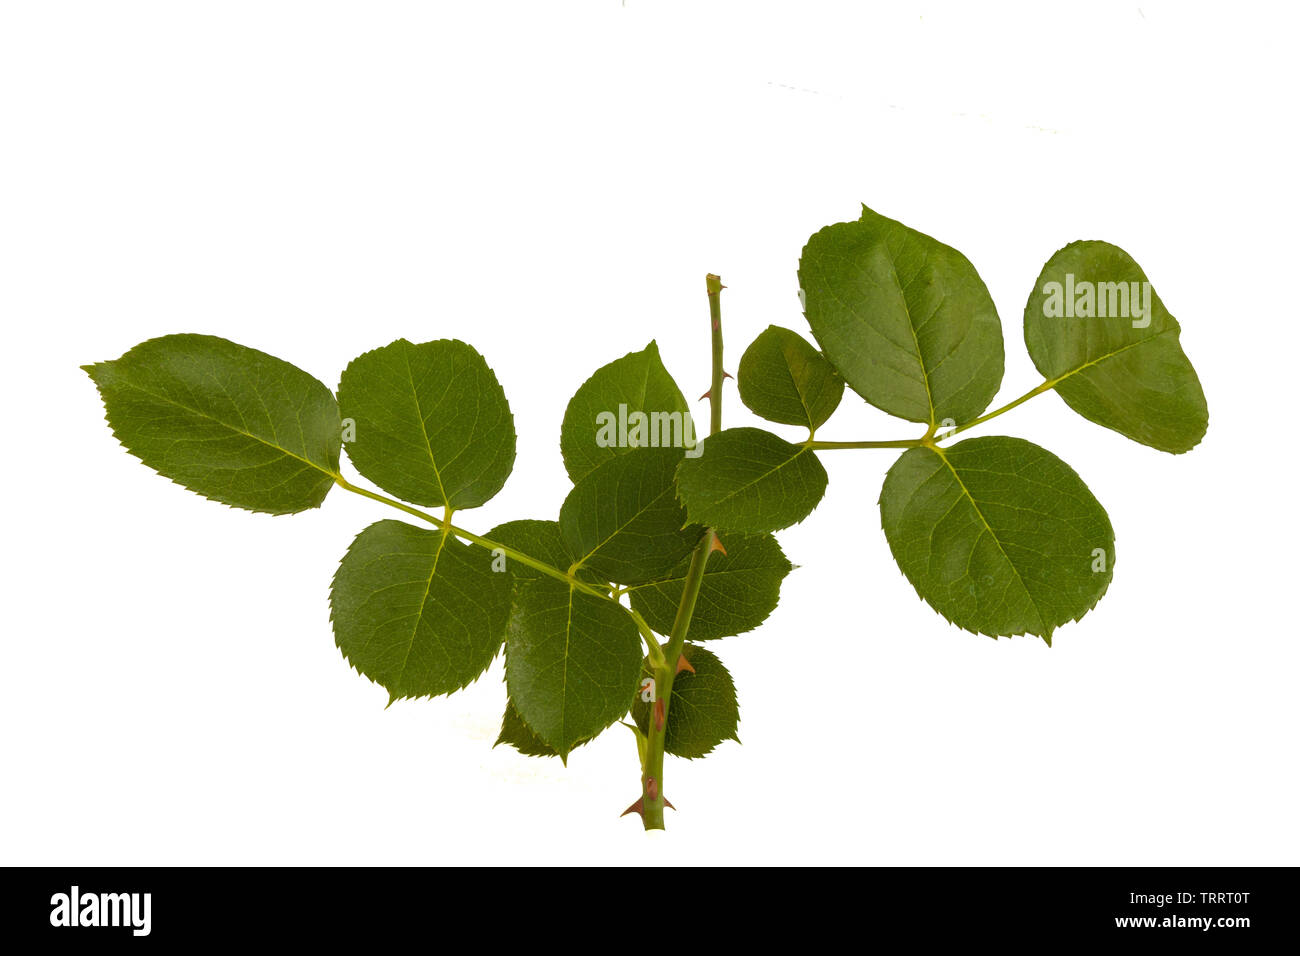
659	714
705	395
639	807
683	664
715	324
727	375
668	805
652	788
717	545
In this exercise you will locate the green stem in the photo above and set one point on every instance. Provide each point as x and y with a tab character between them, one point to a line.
1037	390
482	542
665	670
654	651
652	776
830	445
930	438
714	286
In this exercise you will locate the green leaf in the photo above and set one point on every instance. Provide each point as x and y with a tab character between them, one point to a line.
622	520
702	712
630	403
998	535
417	611
748	479
572	662
1098	332
519	735
432	424
740	589
784	379
906	319
540	540
234	424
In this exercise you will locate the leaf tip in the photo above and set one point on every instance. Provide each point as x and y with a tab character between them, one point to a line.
96	371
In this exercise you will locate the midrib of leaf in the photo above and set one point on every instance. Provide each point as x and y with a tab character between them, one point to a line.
424	429
1048	384
911	327
419	615
797	390
645	385
915	341
770	471
709	576
564	681
988	528
925	375
613	534
1052	383
240	431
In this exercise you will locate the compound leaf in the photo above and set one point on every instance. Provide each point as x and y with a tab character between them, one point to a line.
234	424
747	479
702	712
905	319
432	423
417	611
1098	332
572	662
784	379
740	589
998	535
630	403
622	520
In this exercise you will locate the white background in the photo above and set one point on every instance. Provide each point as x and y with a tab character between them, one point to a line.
551	182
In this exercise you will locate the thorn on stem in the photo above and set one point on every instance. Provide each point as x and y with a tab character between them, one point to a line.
639	806
683	664
717	545
707	394
660	716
